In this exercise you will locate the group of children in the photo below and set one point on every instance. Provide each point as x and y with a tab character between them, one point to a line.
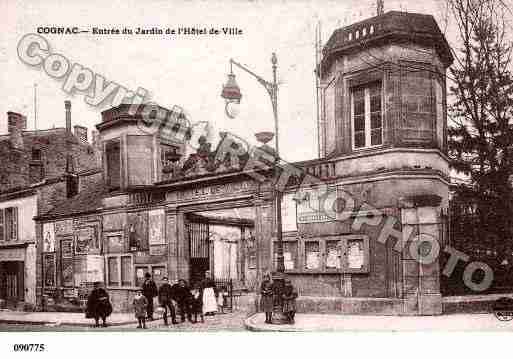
194	306
288	299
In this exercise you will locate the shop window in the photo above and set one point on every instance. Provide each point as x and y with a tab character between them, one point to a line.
333	254
366	113
120	270
9	224
356	254
158	271
312	255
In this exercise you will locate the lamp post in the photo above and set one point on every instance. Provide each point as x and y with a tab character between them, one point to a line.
232	95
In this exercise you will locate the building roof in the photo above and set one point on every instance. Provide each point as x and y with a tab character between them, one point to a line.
84	202
393	25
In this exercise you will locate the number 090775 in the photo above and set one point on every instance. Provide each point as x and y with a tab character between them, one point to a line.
29	347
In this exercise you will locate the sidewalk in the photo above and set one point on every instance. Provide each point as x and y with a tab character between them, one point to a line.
334	322
60	318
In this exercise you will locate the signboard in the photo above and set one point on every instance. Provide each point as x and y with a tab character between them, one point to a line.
215	190
114	222
12	254
64	227
159	250
310	207
156	227
48	237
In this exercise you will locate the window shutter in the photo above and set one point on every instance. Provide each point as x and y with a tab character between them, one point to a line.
2	237
15	223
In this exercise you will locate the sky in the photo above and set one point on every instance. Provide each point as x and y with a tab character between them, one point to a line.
187	71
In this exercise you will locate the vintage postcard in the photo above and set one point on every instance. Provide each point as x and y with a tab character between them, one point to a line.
255	166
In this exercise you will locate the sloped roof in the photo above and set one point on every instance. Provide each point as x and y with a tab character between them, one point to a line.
84	202
393	25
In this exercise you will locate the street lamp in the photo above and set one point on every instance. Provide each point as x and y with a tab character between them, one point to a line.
232	95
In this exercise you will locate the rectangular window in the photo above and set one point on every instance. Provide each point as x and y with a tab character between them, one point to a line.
36	154
333	254
112	265
113	158
367	116
10	224
312	255
126	271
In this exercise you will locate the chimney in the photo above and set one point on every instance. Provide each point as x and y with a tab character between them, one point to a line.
16	123
67	106
80	133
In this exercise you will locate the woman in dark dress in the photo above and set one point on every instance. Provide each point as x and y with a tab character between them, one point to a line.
98	305
266	301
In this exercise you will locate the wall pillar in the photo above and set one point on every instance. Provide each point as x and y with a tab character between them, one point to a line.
421	281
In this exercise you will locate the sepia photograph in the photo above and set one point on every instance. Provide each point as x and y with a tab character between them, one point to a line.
248	166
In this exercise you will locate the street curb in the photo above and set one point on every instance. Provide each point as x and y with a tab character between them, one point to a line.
250	325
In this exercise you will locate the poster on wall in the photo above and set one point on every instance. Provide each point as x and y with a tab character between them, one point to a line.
156	227
85	239
138	231
355	255
49	269
48	237
94	268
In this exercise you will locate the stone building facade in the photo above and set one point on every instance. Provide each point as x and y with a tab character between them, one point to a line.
382	181
37	170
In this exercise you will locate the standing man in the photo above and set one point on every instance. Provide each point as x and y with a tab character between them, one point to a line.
149	289
165	300
182	295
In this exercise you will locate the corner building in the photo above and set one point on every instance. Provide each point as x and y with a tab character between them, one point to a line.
383	125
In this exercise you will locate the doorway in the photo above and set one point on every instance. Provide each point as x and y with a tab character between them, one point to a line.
11	281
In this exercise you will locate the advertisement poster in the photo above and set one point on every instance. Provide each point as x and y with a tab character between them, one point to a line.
156	227
48	237
85	239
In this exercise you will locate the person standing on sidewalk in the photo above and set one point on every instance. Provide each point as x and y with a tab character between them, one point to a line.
209	294
165	300
181	295
140	304
98	305
149	290
289	301
266	301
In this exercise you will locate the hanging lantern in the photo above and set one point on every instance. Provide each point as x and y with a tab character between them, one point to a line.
231	94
